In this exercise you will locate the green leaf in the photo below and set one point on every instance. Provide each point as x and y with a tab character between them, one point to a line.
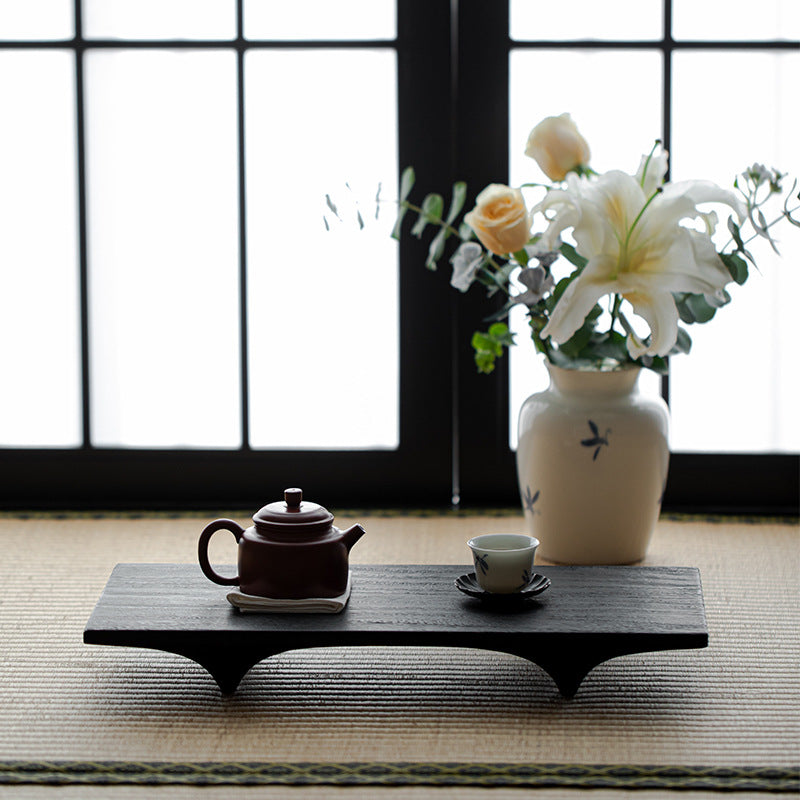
457	201
700	309
611	344
521	257
657	364
684	312
407	181
483	343
331	206
573	346
736	266
552	301
401	212
485	362
489	346
594	313
572	255
537	323
432	207
683	343
465	233
500	332
737	238
735	233
436	249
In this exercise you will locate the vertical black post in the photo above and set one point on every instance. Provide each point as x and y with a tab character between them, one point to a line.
83	268
666	121
243	338
426	141
487	468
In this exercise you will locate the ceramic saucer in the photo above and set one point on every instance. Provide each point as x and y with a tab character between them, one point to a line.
468	584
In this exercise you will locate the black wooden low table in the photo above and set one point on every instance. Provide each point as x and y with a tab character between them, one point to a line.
587	616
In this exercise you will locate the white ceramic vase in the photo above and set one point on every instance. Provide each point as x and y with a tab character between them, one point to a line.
592	464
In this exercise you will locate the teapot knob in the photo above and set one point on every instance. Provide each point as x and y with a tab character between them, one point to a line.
293	498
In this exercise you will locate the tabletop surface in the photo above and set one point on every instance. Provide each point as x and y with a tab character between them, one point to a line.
390	604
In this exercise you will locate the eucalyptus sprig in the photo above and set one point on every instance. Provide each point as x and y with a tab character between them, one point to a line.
640	258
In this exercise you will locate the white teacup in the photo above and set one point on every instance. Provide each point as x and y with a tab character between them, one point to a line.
503	561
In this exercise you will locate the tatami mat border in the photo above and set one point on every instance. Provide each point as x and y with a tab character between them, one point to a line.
751	779
383	513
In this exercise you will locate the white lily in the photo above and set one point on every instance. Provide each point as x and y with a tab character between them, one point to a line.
629	230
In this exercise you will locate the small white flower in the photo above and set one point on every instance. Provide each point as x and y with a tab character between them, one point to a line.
546	256
466	262
537	281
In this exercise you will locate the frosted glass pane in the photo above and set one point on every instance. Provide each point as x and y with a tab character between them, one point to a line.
39	323
585	19
163	252
320	19
323	306
36	19
159	19
617	128
738	390
736	19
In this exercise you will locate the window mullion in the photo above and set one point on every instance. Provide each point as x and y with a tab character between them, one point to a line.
243	334
82	255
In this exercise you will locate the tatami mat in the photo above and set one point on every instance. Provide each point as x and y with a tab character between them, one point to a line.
734	704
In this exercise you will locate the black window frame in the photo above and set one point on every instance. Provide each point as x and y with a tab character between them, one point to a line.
452	60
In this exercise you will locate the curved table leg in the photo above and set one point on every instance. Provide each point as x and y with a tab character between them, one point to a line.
568	666
225	666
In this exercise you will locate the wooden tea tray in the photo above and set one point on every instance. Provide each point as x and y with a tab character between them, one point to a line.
587	616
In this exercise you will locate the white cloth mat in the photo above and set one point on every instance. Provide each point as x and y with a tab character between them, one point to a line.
307	605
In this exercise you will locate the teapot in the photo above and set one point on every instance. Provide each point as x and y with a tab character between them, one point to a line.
292	551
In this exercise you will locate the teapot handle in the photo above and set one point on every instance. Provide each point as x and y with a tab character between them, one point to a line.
202	549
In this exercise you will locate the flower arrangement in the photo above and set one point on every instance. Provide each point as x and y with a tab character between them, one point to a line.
641	266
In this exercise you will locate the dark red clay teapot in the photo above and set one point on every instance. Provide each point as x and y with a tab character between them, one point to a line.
293	551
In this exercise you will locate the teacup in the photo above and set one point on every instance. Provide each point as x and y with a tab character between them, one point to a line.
503	561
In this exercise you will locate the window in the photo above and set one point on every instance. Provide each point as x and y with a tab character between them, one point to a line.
182	327
184	330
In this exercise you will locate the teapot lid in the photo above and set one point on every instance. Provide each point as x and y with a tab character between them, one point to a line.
293	512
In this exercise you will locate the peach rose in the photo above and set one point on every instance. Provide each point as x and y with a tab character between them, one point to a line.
557	147
500	219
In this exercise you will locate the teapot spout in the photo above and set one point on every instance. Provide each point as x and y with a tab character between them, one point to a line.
352	535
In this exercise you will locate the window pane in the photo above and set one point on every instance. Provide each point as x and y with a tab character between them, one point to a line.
159	19
163	252
738	390
585	19
736	19
36	19
323	306
319	19
595	110
39	322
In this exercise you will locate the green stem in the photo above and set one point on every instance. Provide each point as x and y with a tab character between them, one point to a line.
639	216
627	327
440	222
615	311
789	211
649	159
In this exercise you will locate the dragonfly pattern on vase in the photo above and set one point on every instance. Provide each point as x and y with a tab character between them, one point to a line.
528	500
596	440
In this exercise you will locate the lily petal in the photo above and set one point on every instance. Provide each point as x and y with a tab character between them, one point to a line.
579	299
659	311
